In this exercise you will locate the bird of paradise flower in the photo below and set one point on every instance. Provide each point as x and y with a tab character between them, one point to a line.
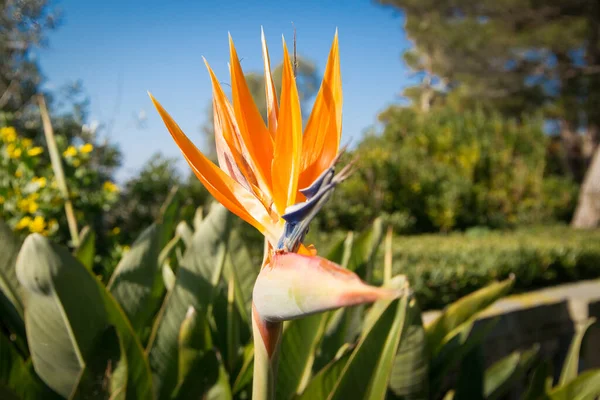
277	178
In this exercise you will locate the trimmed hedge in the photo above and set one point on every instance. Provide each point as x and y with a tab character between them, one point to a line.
442	268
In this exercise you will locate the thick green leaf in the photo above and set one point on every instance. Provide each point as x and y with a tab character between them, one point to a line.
322	384
134	280
470	378
463	310
541	382
105	372
203	374
185	232
297	353
244	376
361	372
364	250
220	390
198	363
198	217
86	250
11	306
410	379
168	215
507	372
67	311
456	346
585	386
570	367
383	371
240	267
193	287
17	376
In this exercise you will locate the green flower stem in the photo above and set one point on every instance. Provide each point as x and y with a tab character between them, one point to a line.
267	338
59	174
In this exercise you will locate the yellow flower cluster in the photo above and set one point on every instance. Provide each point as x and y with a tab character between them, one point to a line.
29	204
8	134
71	151
15	147
37	225
110	187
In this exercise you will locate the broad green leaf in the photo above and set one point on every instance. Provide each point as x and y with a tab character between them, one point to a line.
10	298
233	327
86	250
244	376
298	346
570	367
470	378
198	363
541	382
168	215
193	287
167	251
240	267
456	346
168	276
203	374
585	386
67	311
17	378
410	379
220	390
463	310
507	372
198	217
360	373
383	371
134	280
185	232
105	372
364	250
322	384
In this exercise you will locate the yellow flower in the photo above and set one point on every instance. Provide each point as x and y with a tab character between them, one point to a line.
35	151
1	199
264	168
26	143
126	249
110	187
18	173
116	230
23	223
13	151
37	225
33	207
86	148
23	204
41	181
70	152
76	163
8	134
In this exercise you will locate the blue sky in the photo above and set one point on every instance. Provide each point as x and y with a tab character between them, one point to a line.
121	49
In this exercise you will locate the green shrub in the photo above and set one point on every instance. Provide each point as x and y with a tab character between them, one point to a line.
443	268
442	170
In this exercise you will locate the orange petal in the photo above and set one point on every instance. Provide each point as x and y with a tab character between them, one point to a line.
271	94
224	154
227	191
227	130
255	134
293	286
324	127
288	140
